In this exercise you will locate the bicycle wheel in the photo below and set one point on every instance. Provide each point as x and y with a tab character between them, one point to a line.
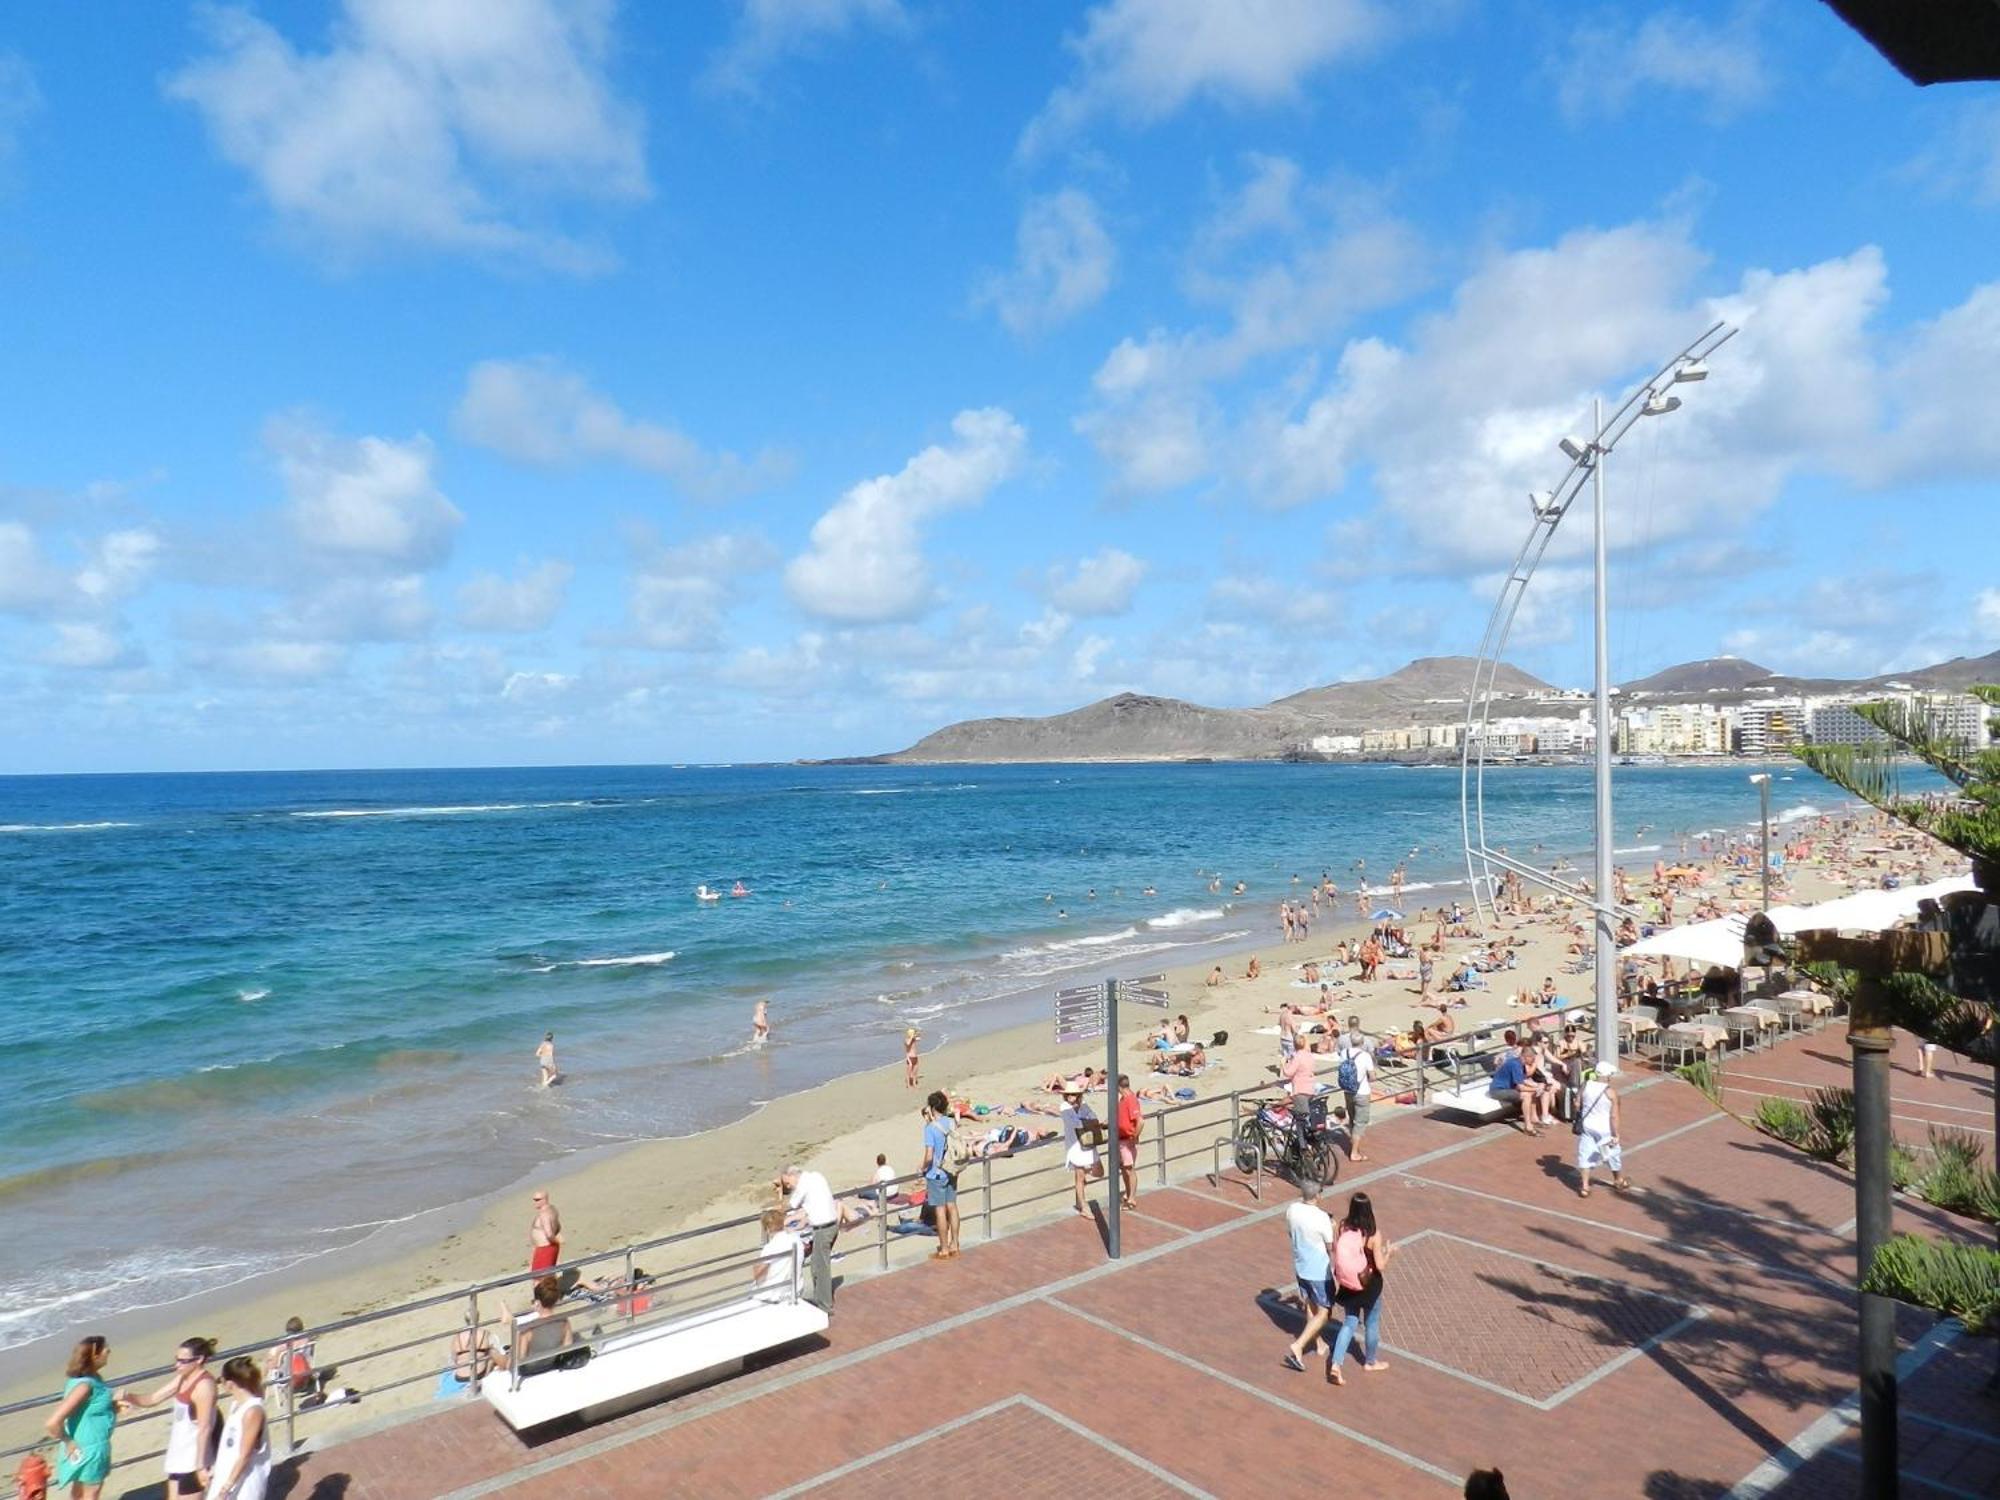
1322	1163
1247	1150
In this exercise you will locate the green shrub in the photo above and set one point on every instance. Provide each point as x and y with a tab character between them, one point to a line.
1705	1076
1957	1280
1905	1166
1831	1136
1958	1179
1784	1118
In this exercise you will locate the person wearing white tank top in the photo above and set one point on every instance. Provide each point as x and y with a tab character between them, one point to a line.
243	1462
191	1428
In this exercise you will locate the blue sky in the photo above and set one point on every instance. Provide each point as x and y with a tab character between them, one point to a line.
484	381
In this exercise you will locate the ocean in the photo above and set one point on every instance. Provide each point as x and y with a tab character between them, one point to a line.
251	1019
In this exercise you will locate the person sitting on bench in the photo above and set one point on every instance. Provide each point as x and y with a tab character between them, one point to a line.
540	1333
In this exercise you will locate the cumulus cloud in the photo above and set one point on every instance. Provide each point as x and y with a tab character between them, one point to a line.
768	30
363	502
1153	416
108	569
1102	584
1986	611
865	559
539	411
527	602
1142	60
1063	263
280	661
681	595
396	608
91	646
437	126
1613	60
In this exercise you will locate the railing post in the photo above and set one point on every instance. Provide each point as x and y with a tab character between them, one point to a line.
1161	1121
986	1193
631	1292
472	1329
882	1227
291	1406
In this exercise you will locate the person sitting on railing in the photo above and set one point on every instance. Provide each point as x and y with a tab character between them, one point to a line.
472	1352
772	1277
541	1333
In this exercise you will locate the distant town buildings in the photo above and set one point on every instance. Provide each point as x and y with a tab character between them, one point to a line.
1754	728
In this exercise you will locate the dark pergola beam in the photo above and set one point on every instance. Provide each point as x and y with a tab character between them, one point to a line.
1930	41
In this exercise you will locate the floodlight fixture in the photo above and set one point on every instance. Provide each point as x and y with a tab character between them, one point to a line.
1573	450
1658	405
1694	369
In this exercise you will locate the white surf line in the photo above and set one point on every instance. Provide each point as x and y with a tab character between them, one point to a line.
1029	1403
1354	1435
1833	1423
1906	1119
1957	1109
612	1442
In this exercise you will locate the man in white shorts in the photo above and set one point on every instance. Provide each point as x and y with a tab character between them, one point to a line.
1080	1128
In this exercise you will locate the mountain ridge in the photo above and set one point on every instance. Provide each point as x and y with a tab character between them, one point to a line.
1130	726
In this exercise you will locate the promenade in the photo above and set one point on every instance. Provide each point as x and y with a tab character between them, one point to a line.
1694	1339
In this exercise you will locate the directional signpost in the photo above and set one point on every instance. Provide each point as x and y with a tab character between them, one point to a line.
1084	1013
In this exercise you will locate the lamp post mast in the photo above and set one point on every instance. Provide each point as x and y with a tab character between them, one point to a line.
1601	878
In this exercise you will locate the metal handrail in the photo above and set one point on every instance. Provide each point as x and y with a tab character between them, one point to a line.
707	1268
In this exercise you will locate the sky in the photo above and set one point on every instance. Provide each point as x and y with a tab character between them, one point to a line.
451	382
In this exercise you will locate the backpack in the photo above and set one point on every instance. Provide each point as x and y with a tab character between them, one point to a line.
1348	1076
1350	1259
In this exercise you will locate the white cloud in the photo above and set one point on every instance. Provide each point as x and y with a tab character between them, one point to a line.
29	583
90	646
1273	603
1046	629
1610	63
109	569
865	561
357	609
536	687
19	100
1964	161
681	595
539	411
1986	611
425	125
1101	584
527	602
366	502
281	661
767	30
1063	263
1154	418
1141	60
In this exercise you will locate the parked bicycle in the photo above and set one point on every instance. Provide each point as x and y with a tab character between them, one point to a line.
1295	1140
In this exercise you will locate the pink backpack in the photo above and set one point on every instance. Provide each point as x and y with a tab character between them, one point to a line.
1350	1260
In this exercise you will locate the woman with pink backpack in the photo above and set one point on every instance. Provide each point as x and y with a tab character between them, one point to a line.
1360	1251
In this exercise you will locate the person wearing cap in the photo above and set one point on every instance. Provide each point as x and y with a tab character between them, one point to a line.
811	1206
1597	1132
1080	1128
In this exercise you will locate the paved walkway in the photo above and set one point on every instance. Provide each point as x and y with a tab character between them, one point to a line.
1692	1340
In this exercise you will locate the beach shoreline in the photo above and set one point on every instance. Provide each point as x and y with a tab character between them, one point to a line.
631	1192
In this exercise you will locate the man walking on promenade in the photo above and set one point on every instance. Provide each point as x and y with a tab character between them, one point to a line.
544	1234
1130	1121
1355	1074
811	1206
1311	1231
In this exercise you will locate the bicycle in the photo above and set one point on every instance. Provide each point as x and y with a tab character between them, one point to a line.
1279	1137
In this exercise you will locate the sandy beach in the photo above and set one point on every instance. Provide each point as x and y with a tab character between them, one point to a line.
650	1189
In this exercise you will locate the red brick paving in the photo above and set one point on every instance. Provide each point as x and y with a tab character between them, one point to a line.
1508	1280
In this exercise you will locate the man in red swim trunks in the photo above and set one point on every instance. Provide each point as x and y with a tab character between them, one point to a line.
544	1234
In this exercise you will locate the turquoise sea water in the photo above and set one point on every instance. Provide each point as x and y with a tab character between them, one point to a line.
307	1002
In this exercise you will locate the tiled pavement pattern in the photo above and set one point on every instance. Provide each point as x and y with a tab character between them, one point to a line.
1555	1336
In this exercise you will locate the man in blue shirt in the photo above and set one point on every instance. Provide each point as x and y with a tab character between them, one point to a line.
1511	1085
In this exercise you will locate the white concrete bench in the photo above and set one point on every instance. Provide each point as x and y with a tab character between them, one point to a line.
1474	1099
634	1369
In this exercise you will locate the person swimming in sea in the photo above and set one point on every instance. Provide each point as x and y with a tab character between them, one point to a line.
760	1024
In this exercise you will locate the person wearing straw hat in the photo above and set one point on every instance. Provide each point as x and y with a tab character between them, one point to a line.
1080	1128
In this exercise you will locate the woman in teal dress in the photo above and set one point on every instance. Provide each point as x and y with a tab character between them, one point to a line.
82	1421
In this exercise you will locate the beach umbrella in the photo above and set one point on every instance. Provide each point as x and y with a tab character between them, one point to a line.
1384	914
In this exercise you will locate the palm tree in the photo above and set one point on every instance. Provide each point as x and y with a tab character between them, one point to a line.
1942	985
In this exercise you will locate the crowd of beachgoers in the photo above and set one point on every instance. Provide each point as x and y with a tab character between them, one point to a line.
1333	1004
